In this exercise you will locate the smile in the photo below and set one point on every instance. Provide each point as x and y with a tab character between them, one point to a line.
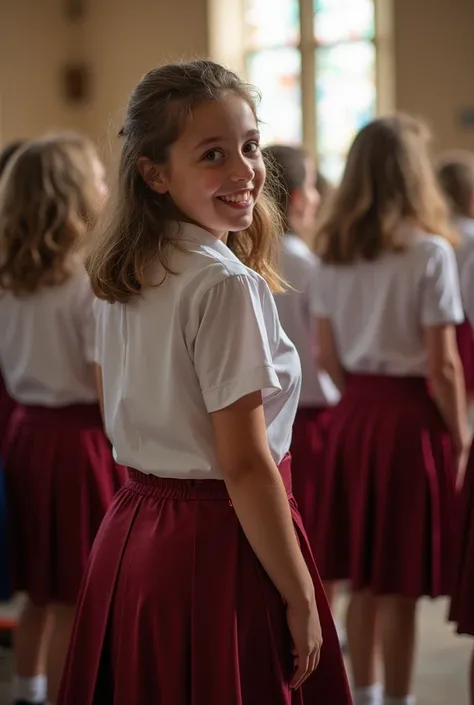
242	199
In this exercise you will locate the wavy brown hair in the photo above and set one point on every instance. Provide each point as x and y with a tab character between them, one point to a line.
456	178
134	228
48	201
388	180
288	166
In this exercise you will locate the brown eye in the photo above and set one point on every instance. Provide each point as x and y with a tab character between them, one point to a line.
251	147
213	156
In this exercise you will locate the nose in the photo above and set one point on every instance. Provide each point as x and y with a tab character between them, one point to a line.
240	169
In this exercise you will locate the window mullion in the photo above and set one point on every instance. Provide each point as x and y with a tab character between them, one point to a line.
308	76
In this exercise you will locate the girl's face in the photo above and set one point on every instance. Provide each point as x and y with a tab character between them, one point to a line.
215	170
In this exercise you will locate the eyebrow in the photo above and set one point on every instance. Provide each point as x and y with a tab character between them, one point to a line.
213	140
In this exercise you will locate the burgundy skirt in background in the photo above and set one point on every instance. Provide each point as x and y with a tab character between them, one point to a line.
60	480
387	522
308	446
7	407
177	609
465	339
462	602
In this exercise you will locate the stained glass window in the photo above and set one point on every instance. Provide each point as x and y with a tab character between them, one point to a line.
276	73
344	89
343	20
272	23
345	98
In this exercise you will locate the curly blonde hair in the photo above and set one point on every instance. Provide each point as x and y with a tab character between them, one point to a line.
134	228
389	179
48	201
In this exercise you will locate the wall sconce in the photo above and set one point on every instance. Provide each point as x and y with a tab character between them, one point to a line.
76	83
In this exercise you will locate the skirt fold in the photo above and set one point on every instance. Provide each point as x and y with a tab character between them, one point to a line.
462	597
465	340
308	448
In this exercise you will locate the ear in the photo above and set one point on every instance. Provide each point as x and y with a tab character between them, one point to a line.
153	175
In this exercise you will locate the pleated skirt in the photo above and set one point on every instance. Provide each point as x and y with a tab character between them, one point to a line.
465	339
388	496
60	479
177	610
308	447
462	601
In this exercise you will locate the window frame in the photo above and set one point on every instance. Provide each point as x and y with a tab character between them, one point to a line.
308	46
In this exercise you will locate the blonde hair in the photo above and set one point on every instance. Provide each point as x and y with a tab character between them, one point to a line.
456	178
48	199
134	229
388	180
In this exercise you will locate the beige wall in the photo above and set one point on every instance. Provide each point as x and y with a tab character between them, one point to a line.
125	38
434	48
34	40
121	39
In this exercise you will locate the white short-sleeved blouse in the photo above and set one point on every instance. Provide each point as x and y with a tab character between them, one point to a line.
47	344
202	339
467	287
299	268
378	309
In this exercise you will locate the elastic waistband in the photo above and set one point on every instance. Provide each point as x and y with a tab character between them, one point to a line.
82	413
170	488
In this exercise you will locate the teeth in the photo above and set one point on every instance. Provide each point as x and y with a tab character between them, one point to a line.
237	197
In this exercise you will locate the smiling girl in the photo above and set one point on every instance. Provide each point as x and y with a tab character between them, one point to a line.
201	588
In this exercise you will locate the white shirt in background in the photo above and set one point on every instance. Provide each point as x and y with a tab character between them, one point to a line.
378	309
467	288
47	344
299	267
204	338
465	229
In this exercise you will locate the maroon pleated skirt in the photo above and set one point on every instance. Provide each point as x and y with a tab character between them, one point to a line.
388	504
465	338
7	407
176	608
462	601
60	481
308	445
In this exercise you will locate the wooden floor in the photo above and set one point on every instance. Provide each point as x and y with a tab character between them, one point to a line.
441	670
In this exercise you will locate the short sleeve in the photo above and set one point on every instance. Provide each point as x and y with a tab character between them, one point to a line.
84	311
319	301
467	288
232	354
441	297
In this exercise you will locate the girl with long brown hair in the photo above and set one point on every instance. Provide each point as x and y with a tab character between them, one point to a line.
456	178
386	298
198	591
298	201
60	474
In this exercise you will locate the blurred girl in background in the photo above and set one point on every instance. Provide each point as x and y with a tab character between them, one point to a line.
298	201
60	473
386	298
456	176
